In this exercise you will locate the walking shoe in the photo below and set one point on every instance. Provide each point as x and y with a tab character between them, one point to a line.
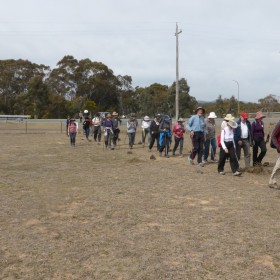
173	154
191	161
214	161
205	161
180	155
201	164
160	154
236	173
222	173
167	156
274	186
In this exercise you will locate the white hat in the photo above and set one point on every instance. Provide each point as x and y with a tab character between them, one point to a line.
212	115
146	118
85	111
232	124
229	117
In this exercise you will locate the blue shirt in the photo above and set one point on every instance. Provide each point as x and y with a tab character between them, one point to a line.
196	124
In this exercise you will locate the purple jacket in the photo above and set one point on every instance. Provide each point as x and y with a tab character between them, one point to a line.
257	131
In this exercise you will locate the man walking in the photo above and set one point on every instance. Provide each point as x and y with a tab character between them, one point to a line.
196	126
243	138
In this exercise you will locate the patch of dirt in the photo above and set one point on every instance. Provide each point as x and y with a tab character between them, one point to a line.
88	213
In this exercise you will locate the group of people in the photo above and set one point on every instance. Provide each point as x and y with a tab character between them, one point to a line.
234	137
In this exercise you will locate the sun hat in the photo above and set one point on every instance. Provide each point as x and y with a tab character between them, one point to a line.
229	117
115	114
212	115
85	111
232	124
146	118
259	115
200	108
180	120
244	115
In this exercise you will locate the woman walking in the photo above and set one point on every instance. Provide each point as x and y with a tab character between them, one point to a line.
258	139
72	131
178	131
228	148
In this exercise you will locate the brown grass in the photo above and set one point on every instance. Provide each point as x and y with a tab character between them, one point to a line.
90	213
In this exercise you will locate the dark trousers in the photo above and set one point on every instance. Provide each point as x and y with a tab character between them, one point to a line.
154	136
97	132
72	138
178	141
232	158
207	144
116	136
258	158
197	143
131	138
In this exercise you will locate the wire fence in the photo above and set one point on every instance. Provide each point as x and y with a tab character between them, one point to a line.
59	125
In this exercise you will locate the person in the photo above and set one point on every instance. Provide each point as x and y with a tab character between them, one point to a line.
108	131
178	132
67	124
81	116
132	124
146	123
196	127
257	129
96	122
154	132
116	130
210	139
227	118
86	125
275	139
243	138
72	131
165	135
228	148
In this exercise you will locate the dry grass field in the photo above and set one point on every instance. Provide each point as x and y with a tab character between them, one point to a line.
88	213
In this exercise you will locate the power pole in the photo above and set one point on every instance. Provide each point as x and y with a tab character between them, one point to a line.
177	72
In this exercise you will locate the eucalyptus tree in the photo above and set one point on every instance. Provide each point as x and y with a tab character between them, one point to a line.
187	103
14	78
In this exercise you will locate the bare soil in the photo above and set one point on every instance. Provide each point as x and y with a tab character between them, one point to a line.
88	213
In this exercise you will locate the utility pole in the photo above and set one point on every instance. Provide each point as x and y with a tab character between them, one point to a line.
177	72
237	96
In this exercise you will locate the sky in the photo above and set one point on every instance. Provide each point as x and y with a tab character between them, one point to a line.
226	47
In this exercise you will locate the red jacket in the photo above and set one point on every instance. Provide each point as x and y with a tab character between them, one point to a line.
275	137
179	130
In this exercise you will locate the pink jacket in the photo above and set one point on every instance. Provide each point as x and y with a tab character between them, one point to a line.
179	130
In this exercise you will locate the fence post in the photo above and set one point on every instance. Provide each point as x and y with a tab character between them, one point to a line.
61	127
26	126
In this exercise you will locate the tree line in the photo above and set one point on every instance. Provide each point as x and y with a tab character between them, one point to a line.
74	85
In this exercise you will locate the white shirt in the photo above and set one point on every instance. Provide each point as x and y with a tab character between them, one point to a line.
226	136
244	130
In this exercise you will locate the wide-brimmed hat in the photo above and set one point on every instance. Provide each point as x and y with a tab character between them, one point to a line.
146	118
259	115
180	120
200	108
212	115
229	117
232	124
115	114
244	115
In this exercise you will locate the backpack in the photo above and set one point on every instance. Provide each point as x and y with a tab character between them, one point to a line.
72	128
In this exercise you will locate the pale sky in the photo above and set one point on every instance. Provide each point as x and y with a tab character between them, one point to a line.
221	40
